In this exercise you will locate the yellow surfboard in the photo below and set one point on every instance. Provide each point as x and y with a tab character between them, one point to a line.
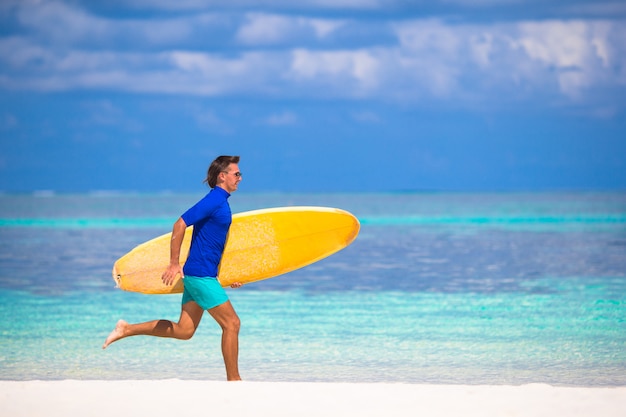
261	244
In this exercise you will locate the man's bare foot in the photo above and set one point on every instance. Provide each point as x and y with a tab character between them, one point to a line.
116	334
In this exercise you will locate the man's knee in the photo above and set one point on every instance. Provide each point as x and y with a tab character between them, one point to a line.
233	324
230	323
183	331
187	333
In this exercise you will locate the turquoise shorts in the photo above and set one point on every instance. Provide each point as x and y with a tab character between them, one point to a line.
207	292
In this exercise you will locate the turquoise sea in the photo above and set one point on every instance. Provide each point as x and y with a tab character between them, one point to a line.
459	288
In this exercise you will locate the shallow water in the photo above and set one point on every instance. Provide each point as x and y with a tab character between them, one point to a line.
437	288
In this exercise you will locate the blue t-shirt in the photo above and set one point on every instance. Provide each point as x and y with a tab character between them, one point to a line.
211	218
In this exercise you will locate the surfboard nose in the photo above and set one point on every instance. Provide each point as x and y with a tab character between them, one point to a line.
116	276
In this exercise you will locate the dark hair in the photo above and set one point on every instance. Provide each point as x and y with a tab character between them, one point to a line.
220	164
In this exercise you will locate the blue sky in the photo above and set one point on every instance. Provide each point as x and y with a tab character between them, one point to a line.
315	95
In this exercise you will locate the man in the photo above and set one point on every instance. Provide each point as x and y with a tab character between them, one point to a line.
211	218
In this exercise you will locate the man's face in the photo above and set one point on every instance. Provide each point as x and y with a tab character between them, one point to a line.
232	178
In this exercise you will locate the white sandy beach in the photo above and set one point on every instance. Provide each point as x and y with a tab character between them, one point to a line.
177	397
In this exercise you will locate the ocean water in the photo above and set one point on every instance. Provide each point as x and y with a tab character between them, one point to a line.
455	288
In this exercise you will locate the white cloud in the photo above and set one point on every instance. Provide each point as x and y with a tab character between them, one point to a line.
571	55
58	21
210	74
61	24
286	118
325	27
432	36
263	28
105	113
562	44
194	5
350	72
298	56
208	119
577	51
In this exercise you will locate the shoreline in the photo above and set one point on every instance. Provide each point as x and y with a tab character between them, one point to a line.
169	397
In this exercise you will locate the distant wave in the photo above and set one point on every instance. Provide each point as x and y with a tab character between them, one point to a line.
495	220
607	220
87	223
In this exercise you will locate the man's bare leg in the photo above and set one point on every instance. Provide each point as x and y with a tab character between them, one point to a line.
228	320
190	316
